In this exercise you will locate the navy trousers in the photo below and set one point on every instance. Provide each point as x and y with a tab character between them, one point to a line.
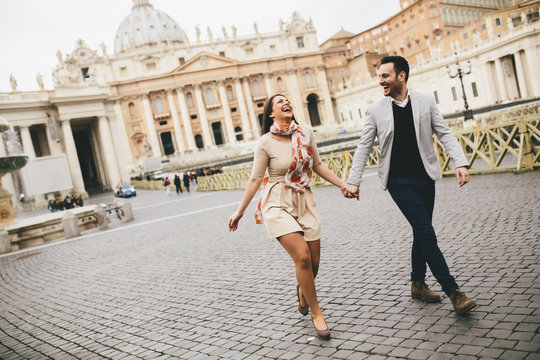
415	198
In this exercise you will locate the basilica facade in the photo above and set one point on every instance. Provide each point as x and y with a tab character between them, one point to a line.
161	94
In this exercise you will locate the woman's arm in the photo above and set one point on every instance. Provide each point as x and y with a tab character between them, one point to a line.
251	189
323	171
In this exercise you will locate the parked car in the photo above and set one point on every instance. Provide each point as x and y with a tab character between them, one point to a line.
157	175
125	191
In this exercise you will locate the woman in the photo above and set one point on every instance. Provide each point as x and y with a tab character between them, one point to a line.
284	159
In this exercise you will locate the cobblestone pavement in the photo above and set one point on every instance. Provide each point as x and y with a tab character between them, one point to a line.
175	283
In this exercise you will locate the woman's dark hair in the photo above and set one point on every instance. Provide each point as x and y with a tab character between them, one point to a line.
267	110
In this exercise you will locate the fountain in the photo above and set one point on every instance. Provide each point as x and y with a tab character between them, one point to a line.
8	164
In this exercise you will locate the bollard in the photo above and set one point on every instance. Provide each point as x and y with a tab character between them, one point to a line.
125	205
5	242
101	217
71	225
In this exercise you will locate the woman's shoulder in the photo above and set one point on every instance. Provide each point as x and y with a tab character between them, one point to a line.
266	138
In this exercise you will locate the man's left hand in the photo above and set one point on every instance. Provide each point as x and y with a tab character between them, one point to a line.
462	175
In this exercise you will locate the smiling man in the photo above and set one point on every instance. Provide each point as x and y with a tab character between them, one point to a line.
404	122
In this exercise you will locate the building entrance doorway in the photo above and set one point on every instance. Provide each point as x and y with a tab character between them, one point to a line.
218	135
313	110
167	143
82	134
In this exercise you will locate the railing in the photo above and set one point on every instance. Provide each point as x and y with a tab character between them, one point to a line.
510	145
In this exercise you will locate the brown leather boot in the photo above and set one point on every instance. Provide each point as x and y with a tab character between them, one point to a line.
419	290
462	304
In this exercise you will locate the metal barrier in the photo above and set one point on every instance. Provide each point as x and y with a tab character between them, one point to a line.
502	146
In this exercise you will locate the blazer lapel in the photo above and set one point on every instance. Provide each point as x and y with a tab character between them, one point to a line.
415	102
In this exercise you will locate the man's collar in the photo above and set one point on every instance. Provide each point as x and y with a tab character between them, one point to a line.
402	103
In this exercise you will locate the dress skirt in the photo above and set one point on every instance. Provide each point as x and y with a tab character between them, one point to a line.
285	211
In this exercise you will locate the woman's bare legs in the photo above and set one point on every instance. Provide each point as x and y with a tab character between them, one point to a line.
315	253
299	250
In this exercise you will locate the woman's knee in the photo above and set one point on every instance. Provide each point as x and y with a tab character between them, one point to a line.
303	260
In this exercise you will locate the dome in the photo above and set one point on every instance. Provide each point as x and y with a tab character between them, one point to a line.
146	25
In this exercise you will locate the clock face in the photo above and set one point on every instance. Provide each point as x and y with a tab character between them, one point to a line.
82	53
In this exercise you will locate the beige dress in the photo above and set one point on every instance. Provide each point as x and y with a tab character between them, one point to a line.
285	210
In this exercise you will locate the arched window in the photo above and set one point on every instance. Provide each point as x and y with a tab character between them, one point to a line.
132	111
230	94
209	96
308	79
256	88
189	100
158	104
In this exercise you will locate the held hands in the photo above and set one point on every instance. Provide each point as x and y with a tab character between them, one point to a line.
233	221
350	191
462	175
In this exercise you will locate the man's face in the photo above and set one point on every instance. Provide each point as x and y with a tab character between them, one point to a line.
391	82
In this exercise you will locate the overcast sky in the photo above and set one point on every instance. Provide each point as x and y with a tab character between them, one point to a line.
31	31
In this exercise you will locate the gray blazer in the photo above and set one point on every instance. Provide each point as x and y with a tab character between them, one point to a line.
379	122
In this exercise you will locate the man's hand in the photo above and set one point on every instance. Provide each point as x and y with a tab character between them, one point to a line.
351	191
462	175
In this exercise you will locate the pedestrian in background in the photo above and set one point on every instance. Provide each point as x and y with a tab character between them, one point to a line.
167	184
284	159
186	181
177	184
404	121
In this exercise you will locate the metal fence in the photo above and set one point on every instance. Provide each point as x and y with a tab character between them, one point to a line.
509	141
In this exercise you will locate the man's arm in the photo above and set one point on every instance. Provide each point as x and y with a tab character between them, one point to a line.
450	143
447	137
363	149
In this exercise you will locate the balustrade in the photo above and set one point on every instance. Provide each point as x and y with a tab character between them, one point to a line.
502	145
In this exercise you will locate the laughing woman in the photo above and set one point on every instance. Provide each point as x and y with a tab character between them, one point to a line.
285	157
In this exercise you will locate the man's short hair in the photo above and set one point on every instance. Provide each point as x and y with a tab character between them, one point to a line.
400	64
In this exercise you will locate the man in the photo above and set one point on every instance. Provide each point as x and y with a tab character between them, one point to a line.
404	122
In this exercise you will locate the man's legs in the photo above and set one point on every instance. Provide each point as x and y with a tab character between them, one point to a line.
415	199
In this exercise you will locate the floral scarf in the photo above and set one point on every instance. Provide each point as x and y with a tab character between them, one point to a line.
298	177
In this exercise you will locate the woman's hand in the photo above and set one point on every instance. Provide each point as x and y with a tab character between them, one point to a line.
233	221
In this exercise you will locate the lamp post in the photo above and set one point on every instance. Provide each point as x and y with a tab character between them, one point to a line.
468	114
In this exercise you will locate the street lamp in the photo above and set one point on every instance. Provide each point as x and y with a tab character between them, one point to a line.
468	114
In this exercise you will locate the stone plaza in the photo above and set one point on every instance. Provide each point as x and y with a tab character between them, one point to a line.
174	283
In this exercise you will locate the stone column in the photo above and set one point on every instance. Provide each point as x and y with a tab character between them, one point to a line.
231	139
251	111
186	120
72	158
55	146
268	84
328	110
248	134
202	117
152	133
108	153
531	58
176	122
522	80
296	99
7	180
500	79
121	141
26	140
488	85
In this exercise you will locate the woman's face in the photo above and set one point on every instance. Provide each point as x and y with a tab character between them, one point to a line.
281	109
